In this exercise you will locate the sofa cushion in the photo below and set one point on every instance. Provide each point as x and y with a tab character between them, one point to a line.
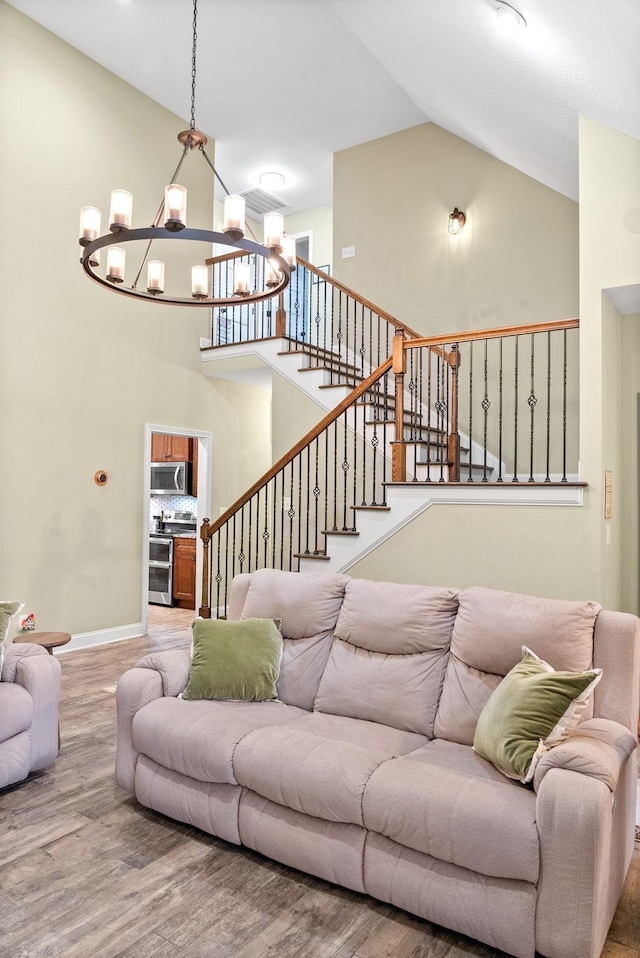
490	629
533	708
198	739
389	654
308	606
16	710
318	764
448	803
234	660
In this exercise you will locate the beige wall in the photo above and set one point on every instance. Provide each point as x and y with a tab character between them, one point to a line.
531	549
294	414
609	257
318	221
83	370
516	261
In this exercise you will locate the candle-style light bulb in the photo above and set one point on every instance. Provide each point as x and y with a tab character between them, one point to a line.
289	250
115	264
272	273
241	279
274	231
234	212
155	277
121	211
175	207
199	282
90	218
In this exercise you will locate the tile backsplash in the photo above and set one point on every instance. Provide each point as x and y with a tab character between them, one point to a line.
158	504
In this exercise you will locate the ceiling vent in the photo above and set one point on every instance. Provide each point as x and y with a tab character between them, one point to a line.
261	202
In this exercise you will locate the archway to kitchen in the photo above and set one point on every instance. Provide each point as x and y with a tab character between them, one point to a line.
188	468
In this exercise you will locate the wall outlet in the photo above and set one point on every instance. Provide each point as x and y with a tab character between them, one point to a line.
348	251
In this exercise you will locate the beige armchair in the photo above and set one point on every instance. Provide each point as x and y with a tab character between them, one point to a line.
29	696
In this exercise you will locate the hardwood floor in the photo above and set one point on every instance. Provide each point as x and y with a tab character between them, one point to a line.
88	873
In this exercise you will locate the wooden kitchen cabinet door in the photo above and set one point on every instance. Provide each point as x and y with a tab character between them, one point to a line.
184	573
170	448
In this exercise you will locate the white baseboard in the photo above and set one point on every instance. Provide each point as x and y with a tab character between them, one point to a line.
84	640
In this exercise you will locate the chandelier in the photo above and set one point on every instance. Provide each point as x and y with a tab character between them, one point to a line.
276	254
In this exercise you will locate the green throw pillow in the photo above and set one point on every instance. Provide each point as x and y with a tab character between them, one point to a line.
532	709
234	660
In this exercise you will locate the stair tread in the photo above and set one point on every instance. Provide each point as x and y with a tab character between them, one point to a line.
340	532
372	508
311	555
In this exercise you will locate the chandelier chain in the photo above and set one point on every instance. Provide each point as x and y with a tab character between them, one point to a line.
192	124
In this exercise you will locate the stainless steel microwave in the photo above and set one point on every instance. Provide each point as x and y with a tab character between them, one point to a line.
171	478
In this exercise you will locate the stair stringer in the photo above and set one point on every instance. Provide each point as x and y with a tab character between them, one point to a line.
408	500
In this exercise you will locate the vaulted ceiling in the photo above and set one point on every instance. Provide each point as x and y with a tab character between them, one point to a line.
283	84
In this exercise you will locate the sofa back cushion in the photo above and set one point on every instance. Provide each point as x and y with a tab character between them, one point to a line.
490	629
389	654
308	606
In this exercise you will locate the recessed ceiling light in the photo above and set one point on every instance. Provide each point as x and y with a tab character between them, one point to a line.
271	181
508	16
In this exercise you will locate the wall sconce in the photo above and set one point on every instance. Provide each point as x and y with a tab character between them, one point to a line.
456	221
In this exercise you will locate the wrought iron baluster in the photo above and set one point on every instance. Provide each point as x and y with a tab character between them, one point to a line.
257	513
355	459
564	408
335	475
308	498
265	531
470	472
345	471
316	496
299	461
515	417
486	404
291	513
500	376
532	400
218	577
226	567
548	477
429	413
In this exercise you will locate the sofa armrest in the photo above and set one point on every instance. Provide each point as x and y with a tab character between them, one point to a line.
155	676
597	747
586	843
173	666
39	674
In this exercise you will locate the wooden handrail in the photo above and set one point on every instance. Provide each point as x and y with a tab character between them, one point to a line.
496	333
207	530
225	257
382	313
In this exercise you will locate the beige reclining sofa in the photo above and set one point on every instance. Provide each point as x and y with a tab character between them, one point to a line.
363	772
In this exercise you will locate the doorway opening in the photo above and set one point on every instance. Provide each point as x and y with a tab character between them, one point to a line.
171	522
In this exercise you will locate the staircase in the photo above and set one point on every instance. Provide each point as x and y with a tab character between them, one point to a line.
389	445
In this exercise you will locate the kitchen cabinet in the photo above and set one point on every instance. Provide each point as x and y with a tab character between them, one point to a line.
184	573
170	448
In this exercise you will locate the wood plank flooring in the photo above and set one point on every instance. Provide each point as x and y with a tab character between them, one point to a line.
88	873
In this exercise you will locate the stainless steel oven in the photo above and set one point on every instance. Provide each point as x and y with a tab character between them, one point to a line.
161	570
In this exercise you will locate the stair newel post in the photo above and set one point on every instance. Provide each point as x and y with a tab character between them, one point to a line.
281	318
453	439
205	608
398	448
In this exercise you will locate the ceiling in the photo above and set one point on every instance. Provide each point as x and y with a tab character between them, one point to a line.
283	84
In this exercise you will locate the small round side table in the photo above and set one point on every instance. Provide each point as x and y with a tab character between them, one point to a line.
48	640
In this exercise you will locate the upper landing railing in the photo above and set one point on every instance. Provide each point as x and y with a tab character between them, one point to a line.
335	327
